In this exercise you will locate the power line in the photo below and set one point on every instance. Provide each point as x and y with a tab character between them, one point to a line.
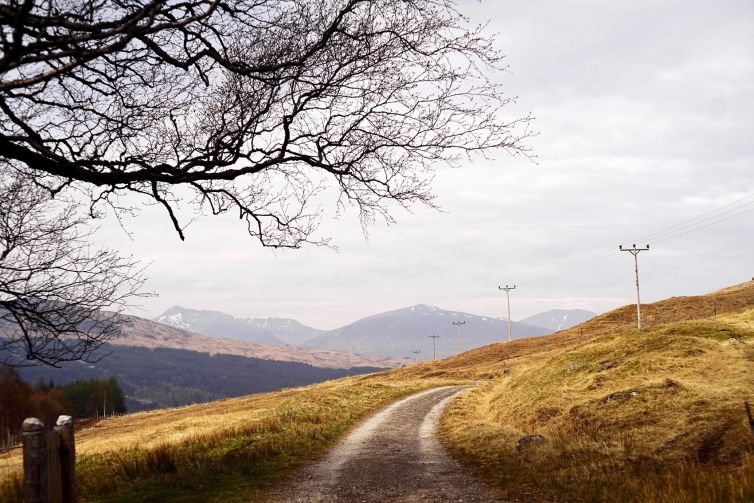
703	217
710	224
702	221
596	262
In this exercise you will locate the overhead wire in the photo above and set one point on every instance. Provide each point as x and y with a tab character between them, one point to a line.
709	224
702	221
704	217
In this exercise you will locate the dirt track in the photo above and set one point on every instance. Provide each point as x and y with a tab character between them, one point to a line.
393	456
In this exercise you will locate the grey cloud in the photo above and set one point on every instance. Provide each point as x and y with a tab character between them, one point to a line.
644	112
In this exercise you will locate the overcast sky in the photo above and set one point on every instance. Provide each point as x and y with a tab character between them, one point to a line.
645	114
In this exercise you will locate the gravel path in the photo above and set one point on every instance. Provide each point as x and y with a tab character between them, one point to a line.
393	456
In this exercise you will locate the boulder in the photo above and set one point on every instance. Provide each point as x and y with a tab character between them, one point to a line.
524	442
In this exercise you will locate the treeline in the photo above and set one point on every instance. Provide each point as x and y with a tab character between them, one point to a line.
47	401
94	398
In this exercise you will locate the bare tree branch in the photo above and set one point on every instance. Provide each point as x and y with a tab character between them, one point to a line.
249	104
59	298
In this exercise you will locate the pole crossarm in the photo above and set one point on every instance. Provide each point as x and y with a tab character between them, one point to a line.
635	252
507	290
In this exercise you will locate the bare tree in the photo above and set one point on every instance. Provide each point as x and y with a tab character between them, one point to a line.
250	106
54	289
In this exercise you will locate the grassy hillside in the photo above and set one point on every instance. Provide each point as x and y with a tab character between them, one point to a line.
626	416
229	450
492	361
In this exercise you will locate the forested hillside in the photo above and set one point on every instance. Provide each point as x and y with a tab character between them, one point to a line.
164	377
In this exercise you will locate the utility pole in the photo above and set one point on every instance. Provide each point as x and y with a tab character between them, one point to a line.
434	353
508	297
416	354
635	252
459	324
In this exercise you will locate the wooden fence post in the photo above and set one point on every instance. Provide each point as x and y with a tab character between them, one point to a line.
35	460
54	487
65	430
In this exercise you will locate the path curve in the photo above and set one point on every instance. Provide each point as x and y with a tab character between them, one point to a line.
392	456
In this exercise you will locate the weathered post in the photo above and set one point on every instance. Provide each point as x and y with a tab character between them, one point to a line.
35	460
54	485
64	428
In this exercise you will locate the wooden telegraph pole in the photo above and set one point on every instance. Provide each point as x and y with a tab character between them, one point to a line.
434	352
459	324
508	297
635	252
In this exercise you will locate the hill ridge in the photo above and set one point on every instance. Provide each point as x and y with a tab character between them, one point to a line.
140	332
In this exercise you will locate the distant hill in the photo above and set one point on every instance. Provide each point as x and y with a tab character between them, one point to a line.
216	324
165	377
397	333
221	325
139	332
559	319
162	366
289	331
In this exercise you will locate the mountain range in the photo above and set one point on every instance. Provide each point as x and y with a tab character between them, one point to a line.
394	334
221	325
138	332
400	332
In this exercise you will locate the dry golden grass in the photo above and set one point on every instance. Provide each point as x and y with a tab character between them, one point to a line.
230	450
662	422
148	429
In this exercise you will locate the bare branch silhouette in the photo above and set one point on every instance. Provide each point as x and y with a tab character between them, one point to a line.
249	106
59	298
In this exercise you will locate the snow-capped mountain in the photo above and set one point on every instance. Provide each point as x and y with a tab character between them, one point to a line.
289	331
221	325
398	333
559	319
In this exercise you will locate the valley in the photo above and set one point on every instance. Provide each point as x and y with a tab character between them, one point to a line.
155	378
650	416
